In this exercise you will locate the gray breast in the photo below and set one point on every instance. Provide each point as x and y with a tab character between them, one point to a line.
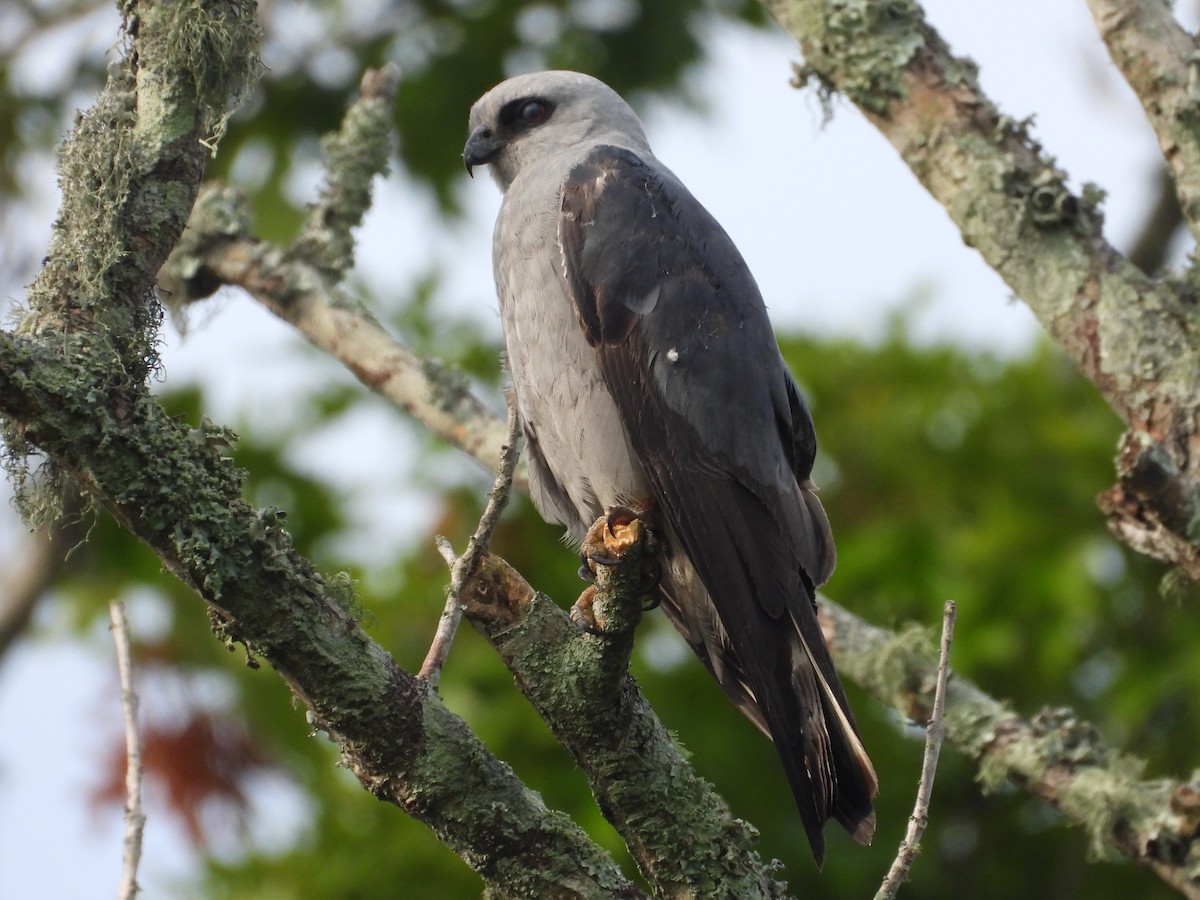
586	461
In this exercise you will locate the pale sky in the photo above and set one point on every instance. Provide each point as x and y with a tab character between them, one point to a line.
835	228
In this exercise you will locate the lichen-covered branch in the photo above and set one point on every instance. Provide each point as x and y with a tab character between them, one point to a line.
169	486
1055	755
1135	338
219	249
354	156
679	830
1159	60
73	387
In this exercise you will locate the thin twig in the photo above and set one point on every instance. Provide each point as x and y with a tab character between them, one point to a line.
935	733
135	819
462	567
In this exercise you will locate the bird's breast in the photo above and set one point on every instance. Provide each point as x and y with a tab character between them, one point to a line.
556	377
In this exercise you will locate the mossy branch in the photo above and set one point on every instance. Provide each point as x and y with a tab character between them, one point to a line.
73	386
168	485
1137	339
678	829
1055	755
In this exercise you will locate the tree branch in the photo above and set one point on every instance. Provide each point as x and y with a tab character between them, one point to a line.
24	585
1136	339
135	819
353	157
935	733
1055	755
679	830
1159	60
218	249
169	486
462	567
1162	222
73	385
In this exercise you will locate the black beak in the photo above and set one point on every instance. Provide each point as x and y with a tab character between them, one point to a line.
482	148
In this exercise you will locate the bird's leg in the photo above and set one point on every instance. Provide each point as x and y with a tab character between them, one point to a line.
605	544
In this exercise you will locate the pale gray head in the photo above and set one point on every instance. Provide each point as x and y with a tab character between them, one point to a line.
531	117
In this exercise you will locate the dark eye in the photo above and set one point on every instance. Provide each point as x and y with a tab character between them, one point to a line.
533	112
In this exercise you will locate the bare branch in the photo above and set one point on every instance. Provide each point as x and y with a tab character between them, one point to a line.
1162	223
135	819
463	566
935	733
24	585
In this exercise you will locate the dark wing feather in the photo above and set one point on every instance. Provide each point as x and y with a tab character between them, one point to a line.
688	354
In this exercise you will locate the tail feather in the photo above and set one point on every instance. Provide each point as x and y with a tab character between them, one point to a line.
799	704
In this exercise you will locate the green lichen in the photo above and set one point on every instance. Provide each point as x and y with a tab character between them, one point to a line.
1104	798
196	59
873	43
901	666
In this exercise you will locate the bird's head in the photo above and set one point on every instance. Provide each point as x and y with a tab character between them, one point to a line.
531	117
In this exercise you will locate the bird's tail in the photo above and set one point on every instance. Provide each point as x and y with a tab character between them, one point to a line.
852	780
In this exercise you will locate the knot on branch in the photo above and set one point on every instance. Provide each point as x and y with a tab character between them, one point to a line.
1050	203
221	213
495	596
1155	506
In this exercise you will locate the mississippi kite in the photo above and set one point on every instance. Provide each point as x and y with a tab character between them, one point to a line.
647	376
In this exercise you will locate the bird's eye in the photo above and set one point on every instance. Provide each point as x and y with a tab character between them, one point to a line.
534	113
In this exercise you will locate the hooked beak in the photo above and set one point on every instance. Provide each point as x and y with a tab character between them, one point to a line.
482	148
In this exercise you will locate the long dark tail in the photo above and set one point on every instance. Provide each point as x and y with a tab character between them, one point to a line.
785	683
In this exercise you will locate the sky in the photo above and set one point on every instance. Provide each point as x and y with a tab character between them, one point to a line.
837	231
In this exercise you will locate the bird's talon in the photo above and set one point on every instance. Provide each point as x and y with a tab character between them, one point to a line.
582	614
651	576
653	603
618	516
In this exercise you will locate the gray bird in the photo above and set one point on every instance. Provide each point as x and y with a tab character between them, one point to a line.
647	376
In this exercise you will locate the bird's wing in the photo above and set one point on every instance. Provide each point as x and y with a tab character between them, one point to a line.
688	354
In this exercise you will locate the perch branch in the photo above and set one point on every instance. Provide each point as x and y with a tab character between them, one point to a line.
680	832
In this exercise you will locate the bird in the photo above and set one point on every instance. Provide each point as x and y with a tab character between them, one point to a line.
647	377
